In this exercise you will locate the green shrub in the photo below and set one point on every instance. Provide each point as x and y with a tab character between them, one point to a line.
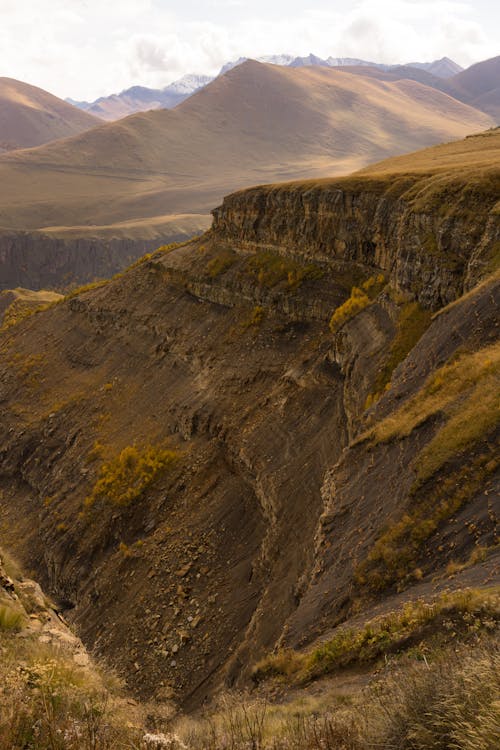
221	263
271	269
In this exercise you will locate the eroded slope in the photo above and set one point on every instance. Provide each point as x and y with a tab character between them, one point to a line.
202	430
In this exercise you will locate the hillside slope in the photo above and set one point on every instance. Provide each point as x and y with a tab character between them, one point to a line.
256	123
30	116
261	433
479	86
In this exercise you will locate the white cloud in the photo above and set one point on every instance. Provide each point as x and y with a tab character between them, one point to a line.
87	48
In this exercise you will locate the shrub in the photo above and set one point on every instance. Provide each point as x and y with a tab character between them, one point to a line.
359	299
221	263
123	479
272	269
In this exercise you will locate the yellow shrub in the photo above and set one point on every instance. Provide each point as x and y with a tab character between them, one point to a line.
123	479
351	307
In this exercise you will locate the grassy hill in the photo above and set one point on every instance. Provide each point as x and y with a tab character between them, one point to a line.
30	116
256	123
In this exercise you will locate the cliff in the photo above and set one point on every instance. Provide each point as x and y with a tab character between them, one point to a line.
39	261
263	432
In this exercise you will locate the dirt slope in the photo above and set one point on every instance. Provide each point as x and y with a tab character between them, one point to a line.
30	116
196	430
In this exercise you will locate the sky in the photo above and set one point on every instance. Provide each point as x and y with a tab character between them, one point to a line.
89	48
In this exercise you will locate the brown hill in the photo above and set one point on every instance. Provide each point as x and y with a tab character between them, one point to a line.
479	86
252	469
258	122
30	116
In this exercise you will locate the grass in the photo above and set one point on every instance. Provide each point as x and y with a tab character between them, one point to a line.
126	477
359	299
48	703
448	702
466	612
271	269
221	263
394	558
464	391
11	618
412	323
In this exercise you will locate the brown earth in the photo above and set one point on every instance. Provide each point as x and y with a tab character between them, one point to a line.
220	349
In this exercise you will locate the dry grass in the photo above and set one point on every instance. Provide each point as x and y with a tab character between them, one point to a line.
448	702
47	702
466	612
465	391
24	303
124	479
11	618
394	558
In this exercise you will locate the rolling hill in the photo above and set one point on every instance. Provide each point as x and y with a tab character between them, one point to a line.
30	116
256	123
479	86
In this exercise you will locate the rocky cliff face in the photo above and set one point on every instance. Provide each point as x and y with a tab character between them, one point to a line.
431	254
270	523
39	261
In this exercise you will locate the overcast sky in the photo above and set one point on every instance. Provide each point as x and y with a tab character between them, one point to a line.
89	48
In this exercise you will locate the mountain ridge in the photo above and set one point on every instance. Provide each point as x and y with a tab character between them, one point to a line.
30	116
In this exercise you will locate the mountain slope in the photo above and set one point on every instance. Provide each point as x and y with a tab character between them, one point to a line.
258	122
443	68
479	86
30	116
203	430
142	99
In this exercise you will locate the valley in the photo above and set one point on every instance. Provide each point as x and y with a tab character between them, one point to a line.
231	426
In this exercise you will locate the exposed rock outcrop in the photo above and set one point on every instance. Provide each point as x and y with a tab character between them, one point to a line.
40	261
433	256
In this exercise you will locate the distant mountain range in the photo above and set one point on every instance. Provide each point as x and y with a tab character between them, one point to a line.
141	98
256	123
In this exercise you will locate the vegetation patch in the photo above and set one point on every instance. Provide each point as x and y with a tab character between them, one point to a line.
360	298
47	702
466	392
271	269
124	479
412	323
221	263
447	701
394	557
11	619
465	612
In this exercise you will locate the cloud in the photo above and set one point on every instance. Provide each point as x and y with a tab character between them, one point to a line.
87	48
